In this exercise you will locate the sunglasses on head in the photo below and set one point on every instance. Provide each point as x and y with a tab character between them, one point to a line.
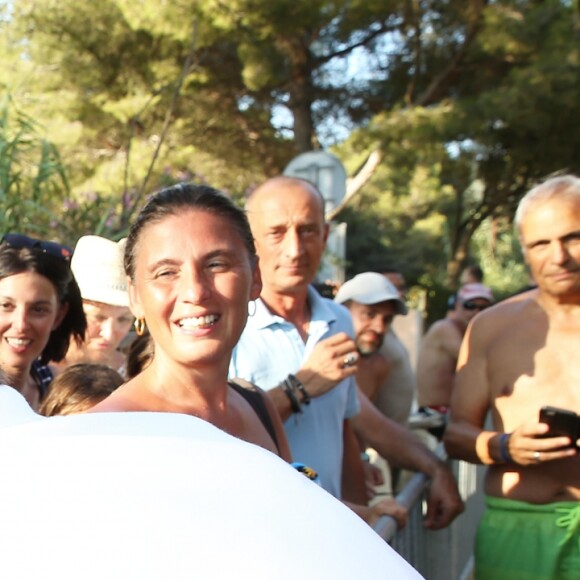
470	305
19	241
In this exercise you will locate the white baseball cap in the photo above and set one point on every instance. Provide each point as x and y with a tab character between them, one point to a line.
370	288
97	265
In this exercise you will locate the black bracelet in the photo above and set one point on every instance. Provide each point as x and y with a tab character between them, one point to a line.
294	402
298	385
504	451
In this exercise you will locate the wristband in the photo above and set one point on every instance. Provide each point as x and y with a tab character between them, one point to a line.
298	385
294	402
504	451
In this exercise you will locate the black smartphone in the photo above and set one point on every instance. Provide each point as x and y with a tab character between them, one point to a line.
562	423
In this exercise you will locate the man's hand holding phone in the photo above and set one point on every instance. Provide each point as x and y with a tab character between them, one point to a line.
553	436
561	423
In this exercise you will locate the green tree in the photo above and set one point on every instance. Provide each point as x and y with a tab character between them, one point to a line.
465	102
114	68
32	177
493	105
294	54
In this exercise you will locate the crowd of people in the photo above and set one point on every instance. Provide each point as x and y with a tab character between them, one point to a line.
229	329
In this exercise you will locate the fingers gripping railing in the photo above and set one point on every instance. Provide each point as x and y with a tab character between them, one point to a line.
409	497
438	555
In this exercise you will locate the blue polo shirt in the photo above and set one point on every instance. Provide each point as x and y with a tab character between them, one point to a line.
269	349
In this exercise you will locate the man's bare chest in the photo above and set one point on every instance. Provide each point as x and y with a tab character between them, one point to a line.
528	370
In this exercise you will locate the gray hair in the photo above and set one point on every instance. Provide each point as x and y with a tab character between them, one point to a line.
561	187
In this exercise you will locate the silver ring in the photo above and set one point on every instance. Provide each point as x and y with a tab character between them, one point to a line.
537	456
349	360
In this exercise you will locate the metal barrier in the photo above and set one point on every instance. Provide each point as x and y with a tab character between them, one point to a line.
444	554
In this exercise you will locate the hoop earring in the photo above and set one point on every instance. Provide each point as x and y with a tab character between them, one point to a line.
251	308
140	327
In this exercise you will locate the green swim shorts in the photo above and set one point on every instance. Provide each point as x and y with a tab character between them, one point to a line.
517	540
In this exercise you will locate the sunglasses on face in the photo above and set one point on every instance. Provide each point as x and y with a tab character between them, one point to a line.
19	241
470	305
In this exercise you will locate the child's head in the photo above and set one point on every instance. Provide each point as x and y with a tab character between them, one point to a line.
78	388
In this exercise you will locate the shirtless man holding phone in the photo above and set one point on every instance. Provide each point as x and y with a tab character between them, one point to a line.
517	357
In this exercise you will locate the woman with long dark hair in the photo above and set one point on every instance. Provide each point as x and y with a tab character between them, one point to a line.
40	311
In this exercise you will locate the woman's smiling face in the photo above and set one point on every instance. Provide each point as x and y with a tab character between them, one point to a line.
193	280
29	312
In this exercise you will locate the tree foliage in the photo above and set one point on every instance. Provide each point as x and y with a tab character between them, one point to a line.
114	67
469	102
491	104
32	178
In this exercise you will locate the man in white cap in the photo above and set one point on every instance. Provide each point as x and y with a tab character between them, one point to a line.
440	349
97	264
373	302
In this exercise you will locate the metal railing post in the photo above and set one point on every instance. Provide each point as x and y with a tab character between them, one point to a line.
438	555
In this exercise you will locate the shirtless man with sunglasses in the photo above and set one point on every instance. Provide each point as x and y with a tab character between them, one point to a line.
440	349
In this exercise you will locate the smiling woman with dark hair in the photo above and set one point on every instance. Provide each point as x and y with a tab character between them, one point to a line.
193	272
40	311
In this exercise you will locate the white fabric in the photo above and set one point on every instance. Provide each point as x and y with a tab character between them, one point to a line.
13	408
154	495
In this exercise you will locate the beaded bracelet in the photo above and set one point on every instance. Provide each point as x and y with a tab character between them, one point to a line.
294	402
298	385
504	451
